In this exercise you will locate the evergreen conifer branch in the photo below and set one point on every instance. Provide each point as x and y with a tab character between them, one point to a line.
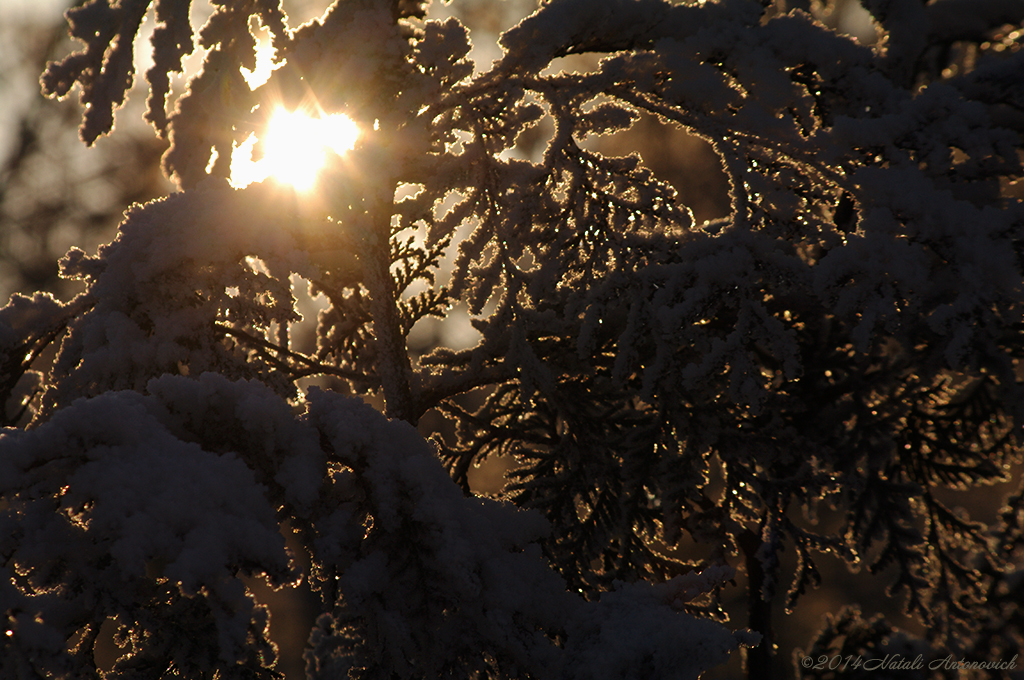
673	396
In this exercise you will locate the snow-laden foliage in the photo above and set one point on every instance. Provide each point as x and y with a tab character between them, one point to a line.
146	509
847	337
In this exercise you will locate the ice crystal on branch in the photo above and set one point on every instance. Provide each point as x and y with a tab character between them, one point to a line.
846	334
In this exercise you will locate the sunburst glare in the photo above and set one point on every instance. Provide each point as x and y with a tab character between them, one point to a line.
295	148
295	144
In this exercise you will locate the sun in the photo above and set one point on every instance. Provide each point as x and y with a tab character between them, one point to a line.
296	143
295	147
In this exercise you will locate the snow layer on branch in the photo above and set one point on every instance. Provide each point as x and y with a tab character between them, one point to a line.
23	318
470	570
249	418
148	494
172	41
103	497
466	569
182	484
165	279
788	105
105	68
889	275
574	26
27	327
632	633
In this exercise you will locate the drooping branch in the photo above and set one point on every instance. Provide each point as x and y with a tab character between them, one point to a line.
273	353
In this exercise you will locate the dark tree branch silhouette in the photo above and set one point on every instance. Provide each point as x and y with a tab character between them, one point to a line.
847	338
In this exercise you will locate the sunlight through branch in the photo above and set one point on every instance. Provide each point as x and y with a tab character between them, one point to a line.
295	148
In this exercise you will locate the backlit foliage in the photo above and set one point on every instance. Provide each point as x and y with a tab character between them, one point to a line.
846	340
